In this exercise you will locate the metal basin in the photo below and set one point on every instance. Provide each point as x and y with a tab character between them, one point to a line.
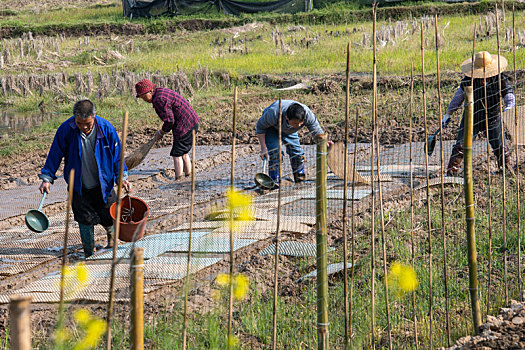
264	181
36	220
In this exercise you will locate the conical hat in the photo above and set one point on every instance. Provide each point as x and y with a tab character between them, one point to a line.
485	65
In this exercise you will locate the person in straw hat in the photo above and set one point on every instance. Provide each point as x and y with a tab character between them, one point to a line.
486	78
178	117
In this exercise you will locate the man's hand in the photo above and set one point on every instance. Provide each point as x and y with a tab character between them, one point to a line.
159	135
264	153
329	143
45	187
126	185
445	121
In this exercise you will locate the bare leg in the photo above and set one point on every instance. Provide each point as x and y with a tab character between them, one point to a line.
186	159
177	162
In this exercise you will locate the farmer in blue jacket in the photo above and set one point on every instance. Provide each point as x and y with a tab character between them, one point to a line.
90	145
294	116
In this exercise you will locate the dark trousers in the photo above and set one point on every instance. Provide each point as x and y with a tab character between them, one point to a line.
90	209
495	132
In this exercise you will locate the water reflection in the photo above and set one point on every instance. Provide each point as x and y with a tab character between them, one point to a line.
15	122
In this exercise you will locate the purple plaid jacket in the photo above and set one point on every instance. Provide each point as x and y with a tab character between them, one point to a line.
175	111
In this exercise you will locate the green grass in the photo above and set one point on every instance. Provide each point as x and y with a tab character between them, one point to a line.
348	12
296	321
221	50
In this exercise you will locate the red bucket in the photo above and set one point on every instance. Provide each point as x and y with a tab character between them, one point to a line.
131	226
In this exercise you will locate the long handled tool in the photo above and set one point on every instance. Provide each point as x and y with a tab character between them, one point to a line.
335	160
36	220
431	142
138	156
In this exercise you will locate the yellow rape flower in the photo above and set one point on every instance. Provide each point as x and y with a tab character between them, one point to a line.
223	279
232	340
402	278
82	317
93	332
236	199
240	208
241	285
62	335
76	278
82	273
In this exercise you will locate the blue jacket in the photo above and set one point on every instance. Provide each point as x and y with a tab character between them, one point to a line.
67	145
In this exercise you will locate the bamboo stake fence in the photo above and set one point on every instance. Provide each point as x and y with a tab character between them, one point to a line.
230	280
345	203
277	231
503	166
188	262
64	252
323	322
516	149
20	322
372	195
353	223
429	222
469	209
442	163
383	237
109	317
137	299
489	192
412	240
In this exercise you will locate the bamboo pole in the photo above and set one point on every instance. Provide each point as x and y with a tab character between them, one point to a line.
429	223
230	295
382	216
353	222
372	195
489	191
137	299
469	209
412	241
345	203
504	198
465	112
109	318
188	262
442	159
71	185
517	154
321	242
277	231
20	322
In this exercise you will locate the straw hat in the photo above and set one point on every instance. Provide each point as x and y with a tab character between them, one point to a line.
484	61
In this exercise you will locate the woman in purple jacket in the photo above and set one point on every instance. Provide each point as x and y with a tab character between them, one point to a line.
178	117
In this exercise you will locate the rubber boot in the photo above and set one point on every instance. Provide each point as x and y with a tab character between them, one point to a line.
87	235
455	160
299	176
297	164
109	233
